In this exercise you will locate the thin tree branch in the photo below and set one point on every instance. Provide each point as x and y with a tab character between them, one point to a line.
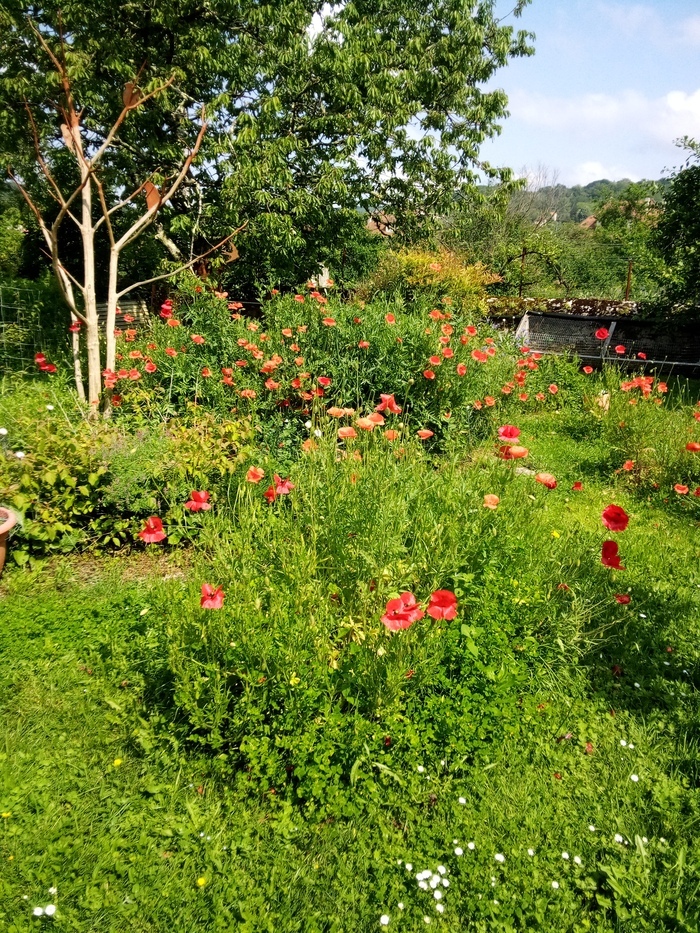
186	265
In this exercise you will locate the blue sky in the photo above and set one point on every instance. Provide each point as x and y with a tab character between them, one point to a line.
611	85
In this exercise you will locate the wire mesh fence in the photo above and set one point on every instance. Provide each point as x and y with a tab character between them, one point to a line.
24	330
664	344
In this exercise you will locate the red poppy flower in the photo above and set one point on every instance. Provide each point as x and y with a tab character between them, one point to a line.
134	375
610	555
173	323
152	532
151	367
508	432
206	372
623	598
39	358
642	356
620	349
489	401
602	333
553	389
424	434
363	344
546	479
523	396
74	328
442	605
615	518
680	489
197	338
479	356
402	612
429	374
461	369
211	598
693	447
198	501
270	494
390	319
628	465
282	486
661	387
254	475
578	486
299	298
271	384
448	352
328	321
588	370
135	355
388	403
696	492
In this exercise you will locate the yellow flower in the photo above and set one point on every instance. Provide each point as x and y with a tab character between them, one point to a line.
294	680
201	881
117	762
555	534
6	815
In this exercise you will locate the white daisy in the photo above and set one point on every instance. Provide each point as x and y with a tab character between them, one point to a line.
384	920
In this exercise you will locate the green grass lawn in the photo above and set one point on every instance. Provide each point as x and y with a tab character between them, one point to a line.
539	753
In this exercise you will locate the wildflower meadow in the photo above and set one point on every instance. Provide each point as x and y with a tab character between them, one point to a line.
354	616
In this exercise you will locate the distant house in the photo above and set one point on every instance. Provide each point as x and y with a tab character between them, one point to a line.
590	223
382	224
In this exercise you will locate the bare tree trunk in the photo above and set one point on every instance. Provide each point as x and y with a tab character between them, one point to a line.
92	335
110	326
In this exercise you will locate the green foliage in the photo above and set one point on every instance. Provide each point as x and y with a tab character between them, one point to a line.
678	234
413	273
312	110
81	483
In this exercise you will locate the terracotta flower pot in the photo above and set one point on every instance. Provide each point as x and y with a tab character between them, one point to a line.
7	523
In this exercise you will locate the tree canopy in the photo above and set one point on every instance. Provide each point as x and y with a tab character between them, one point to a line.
315	110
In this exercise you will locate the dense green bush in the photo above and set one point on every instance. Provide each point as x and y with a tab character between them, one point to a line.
77	483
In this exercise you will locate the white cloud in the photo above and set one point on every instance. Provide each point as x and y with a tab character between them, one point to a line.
586	172
587	116
645	22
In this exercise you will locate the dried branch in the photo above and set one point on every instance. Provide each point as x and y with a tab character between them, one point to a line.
186	265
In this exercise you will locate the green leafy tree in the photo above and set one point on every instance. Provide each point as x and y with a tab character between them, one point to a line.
678	233
313	112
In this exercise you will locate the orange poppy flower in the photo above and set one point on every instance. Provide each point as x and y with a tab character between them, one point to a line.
249	393
680	489
693	447
363	344
489	401
424	434
347	432
461	369
479	356
390	319
328	321
391	435
376	418
546	479
428	373
491	501
367	424
512	452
